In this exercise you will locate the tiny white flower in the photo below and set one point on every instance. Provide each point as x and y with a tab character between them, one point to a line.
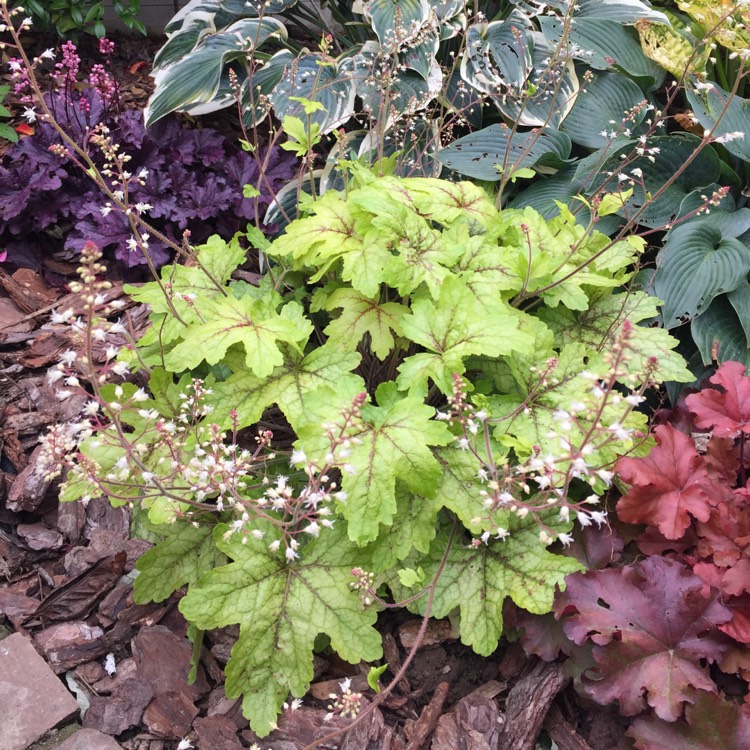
29	114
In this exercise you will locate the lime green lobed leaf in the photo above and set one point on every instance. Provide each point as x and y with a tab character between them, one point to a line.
477	580
360	316
395	444
457	326
179	559
281	608
244	321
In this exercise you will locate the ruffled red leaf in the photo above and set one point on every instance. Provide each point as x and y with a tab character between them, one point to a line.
670	486
727	411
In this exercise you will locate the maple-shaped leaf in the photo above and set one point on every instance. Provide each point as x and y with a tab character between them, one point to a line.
455	327
726	411
325	235
394	444
281	608
360	316
478	580
246	321
597	326
670	485
290	386
711	723
181	558
415	530
652	625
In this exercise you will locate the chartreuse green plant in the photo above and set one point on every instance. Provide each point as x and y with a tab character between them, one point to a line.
448	386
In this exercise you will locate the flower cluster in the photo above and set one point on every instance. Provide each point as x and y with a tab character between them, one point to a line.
573	468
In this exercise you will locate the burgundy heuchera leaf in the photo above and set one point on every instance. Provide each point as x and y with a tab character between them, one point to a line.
670	485
652	624
727	411
712	723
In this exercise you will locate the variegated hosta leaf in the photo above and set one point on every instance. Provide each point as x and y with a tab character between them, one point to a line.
551	90
674	49
397	22
498	54
386	94
318	78
255	91
420	56
195	79
729	19
415	142
201	17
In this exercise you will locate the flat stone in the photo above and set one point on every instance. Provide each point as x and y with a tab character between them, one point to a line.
89	739
32	698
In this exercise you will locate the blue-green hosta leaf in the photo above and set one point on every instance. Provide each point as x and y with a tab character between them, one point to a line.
281	609
413	144
396	22
195	79
739	299
317	78
451	329
458	96
551	91
291	385
395	444
181	558
285	207
478	580
603	45
609	97
719	334
667	192
624	11
498	54
732	112
483	155
363	316
244	321
695	265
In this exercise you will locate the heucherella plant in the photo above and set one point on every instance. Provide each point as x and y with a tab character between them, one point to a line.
421	390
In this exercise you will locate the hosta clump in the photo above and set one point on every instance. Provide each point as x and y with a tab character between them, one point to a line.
180	178
455	383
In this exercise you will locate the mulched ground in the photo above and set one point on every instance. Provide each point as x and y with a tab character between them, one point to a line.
66	584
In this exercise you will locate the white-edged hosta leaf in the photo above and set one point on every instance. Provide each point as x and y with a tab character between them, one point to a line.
317	78
420	56
482	154
195	78
281	609
610	96
498	55
256	89
695	265
719	335
551	91
396	22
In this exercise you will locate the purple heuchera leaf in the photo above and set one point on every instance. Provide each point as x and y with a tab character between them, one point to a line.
195	180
